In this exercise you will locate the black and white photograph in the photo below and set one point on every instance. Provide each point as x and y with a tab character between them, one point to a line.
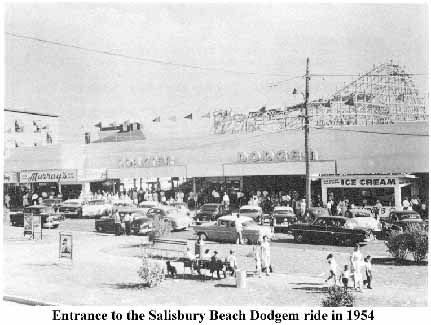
216	154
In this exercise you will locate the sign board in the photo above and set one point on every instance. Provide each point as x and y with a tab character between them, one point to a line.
48	176
10	178
384	211
65	246
32	226
273	156
147	161
359	182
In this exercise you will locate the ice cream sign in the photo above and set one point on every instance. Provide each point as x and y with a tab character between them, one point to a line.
48	176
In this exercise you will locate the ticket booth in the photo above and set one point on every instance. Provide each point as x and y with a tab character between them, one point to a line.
365	190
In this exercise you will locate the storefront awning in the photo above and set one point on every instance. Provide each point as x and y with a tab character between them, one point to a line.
163	171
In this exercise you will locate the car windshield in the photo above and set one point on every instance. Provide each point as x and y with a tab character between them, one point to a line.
248	211
146	206
36	210
98	202
208	207
409	216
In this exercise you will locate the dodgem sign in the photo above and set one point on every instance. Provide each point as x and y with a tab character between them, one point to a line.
273	156
48	176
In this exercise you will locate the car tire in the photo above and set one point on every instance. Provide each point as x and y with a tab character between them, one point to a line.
99	229
298	237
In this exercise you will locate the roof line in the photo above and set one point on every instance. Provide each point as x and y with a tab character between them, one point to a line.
28	112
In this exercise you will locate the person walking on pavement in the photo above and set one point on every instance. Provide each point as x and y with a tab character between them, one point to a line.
238	229
128	223
117	221
266	255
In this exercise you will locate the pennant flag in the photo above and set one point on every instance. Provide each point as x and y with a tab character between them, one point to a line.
294	92
172	118
207	115
327	104
98	125
262	109
157	119
189	116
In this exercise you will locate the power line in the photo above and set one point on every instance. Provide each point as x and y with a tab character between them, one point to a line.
372	132
371	75
143	59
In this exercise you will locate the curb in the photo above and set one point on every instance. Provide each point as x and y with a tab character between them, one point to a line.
28	301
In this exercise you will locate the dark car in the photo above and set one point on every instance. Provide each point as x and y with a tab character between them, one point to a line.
141	224
54	203
282	218
49	218
107	224
211	212
400	220
71	208
333	230
16	216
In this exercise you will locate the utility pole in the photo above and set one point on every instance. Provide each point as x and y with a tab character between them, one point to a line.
307	140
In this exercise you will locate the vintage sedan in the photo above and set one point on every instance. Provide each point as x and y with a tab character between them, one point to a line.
177	220
251	211
147	205
210	212
107	224
333	230
96	209
49	218
223	230
54	203
362	218
283	217
400	220
71	208
141	224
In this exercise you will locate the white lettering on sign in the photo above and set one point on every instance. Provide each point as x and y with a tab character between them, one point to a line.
144	162
360	182
273	156
49	176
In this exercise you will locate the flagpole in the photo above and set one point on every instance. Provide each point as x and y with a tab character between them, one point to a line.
307	139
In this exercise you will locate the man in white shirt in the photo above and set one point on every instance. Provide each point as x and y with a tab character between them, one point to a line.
231	263
238	229
406	204
226	200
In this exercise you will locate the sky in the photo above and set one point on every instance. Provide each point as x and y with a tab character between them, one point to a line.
267	43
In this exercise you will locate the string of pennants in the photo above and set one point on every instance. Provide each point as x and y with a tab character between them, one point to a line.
188	116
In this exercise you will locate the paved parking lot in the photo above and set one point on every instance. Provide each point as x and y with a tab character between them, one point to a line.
104	272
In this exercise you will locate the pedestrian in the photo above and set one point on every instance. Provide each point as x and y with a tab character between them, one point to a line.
231	263
34	198
332	268
7	200
345	276
215	265
258	260
117	221
266	255
226	200
356	260
199	246
406	204
128	223
238	229
368	273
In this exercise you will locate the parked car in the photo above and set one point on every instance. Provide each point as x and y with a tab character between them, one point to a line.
211	212
146	205
141	224
399	220
54	203
333	230
283	217
363	218
223	230
49	218
182	208
71	208
177	220
107	224
96	209
16	216
251	211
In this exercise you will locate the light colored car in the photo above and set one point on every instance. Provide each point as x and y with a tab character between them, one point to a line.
71	208
147	205
283	217
362	218
223	230
180	220
251	211
96	208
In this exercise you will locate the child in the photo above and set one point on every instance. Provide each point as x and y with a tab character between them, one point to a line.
368	274
345	276
332	268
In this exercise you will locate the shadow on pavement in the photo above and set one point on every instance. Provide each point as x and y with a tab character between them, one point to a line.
221	285
306	284
127	286
394	261
312	289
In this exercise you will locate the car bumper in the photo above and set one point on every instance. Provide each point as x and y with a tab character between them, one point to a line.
70	213
50	224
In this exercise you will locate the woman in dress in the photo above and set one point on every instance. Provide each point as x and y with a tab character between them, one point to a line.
266	254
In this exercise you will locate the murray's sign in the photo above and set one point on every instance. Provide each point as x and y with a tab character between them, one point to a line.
48	176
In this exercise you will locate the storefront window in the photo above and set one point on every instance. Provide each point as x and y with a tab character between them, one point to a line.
361	196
